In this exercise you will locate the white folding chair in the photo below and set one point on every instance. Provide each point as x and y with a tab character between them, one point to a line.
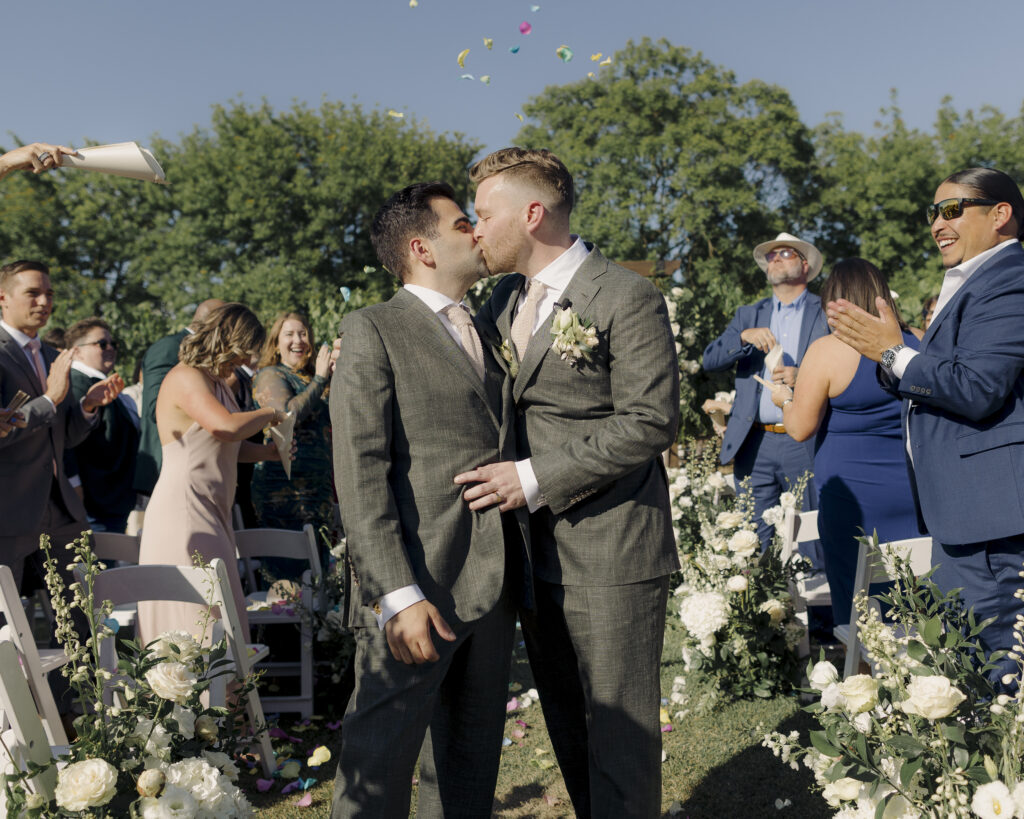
113	547
189	584
26	739
797	528
872	569
35	663
297	545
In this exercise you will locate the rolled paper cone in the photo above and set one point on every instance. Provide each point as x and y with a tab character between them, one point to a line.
771	361
282	438
127	159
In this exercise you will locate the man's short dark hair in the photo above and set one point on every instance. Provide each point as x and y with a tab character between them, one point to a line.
81	328
989	183
405	215
9	271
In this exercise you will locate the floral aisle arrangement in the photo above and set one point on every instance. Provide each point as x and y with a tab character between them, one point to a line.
157	751
741	637
927	734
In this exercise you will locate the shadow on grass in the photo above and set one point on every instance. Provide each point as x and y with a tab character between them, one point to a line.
749	784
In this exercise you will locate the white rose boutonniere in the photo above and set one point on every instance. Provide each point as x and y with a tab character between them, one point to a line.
575	339
506	353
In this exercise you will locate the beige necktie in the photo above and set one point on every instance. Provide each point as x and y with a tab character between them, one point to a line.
522	327
459	316
36	355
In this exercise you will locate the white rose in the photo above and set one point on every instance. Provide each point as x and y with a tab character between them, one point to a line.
736	583
224	763
157	739
562	320
187	647
205	783
787	500
703	614
993	801
832	697
932	697
172	681
860	693
86	784
716	480
862	722
774	516
206	728
174	803
823	675
186	721
775	609
728	520
842	790
150	782
744	543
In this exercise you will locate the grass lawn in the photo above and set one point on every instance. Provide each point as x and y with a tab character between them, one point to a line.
715	766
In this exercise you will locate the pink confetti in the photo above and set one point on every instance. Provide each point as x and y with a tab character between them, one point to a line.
277	733
305	801
525	28
518	733
264	785
520	722
666	728
513	704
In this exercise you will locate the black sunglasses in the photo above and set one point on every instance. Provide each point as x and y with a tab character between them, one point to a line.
102	344
954	208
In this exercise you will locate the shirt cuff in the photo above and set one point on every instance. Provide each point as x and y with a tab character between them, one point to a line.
51	402
393	602
903	358
531	489
75	481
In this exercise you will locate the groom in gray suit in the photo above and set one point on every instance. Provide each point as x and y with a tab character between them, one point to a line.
416	399
596	391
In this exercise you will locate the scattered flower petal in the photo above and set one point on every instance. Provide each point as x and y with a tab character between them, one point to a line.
294	785
467	77
334	726
290	769
305	801
396	114
525	27
564	53
485	79
264	785
596	57
489	42
534	9
319	756
513	704
518	116
663	716
514	50
462	57
505	742
413	3
666	728
606	62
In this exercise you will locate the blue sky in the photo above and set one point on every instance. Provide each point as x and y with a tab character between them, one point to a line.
116	70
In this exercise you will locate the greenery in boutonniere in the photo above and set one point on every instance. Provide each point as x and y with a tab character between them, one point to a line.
575	339
506	352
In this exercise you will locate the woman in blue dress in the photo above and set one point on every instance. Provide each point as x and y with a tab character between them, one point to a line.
860	466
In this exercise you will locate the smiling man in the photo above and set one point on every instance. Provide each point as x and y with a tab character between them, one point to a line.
963	411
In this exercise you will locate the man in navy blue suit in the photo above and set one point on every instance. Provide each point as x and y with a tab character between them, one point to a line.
790	318
963	395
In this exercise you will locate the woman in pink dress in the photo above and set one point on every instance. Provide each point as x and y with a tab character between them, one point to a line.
203	437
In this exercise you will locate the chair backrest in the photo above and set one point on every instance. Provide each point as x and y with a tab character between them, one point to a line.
797	528
116	546
27	739
871	568
295	544
20	634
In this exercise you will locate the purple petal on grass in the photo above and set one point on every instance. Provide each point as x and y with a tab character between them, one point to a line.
264	785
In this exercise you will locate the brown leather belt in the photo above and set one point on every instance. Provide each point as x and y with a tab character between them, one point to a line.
773	427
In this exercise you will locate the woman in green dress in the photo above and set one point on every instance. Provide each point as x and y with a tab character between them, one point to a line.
292	379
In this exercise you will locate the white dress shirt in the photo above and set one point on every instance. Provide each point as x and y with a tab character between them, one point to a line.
393	602
556	277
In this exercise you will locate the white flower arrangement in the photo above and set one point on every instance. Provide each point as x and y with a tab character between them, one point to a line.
928	733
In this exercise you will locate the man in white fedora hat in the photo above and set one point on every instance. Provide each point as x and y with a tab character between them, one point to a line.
769	339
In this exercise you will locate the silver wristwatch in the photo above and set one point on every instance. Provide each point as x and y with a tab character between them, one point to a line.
889	355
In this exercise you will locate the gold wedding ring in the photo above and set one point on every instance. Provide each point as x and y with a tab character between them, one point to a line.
498	495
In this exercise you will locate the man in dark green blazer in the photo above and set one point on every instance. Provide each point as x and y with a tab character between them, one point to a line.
596	392
156	363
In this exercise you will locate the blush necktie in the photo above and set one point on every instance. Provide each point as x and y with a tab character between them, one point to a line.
36	355
462	321
522	327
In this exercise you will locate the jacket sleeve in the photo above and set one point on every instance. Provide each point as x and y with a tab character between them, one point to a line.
728	348
644	417
361	401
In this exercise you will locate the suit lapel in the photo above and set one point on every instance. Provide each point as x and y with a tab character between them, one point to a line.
579	293
504	322
433	335
14	353
812	310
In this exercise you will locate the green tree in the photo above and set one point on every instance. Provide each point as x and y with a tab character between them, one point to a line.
674	159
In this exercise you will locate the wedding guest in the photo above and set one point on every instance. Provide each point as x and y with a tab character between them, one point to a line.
133	393
963	394
156	363
928	312
36	157
291	378
860	469
106	458
203	436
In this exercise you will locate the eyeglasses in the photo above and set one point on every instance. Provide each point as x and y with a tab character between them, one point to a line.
954	208
102	344
782	253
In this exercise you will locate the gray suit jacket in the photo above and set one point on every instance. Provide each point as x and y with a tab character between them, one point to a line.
27	455
408	414
595	432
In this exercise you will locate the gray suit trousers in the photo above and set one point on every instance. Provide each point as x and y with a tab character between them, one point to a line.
600	690
454	708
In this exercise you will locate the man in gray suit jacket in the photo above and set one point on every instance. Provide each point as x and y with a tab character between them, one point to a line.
592	419
415	399
37	497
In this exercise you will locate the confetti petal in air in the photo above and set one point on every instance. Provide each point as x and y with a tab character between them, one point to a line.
489	42
467	77
564	53
518	116
534	9
596	57
396	114
485	79
514	50
590	74
525	27
413	3
607	61
462	57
